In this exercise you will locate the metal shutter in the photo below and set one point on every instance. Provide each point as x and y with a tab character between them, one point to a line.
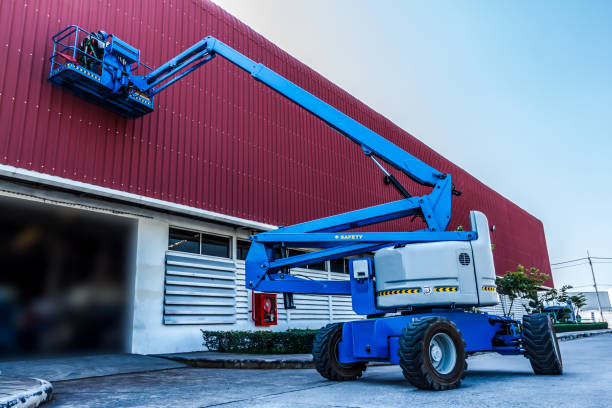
199	290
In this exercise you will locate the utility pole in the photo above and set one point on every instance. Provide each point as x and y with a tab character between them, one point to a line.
595	284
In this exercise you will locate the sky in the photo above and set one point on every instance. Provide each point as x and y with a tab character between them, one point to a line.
518	93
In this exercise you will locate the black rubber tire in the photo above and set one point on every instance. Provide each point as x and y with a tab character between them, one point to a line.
541	344
414	356
325	356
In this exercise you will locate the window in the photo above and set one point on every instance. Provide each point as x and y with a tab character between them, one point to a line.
215	245
184	241
339	265
294	252
242	248
319	266
198	243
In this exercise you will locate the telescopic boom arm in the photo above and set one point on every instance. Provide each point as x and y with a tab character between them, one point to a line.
266	272
372	143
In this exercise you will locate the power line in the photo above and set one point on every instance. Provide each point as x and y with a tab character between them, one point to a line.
564	262
581	259
572	263
569	266
591	285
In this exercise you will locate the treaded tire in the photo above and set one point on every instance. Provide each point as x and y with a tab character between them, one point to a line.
325	356
415	359
541	345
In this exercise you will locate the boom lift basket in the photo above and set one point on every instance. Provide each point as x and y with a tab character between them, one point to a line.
89	67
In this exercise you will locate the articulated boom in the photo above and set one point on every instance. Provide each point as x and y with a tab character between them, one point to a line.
102	68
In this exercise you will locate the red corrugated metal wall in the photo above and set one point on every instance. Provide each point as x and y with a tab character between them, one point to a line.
218	140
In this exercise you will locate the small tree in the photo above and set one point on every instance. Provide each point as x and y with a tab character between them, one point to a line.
538	301
579	301
564	297
522	283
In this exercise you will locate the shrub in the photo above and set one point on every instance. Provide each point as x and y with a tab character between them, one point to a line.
522	284
260	342
562	328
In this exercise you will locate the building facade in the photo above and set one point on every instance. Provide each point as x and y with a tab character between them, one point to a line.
591	311
163	205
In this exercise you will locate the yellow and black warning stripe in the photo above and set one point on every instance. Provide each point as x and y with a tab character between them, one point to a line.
488	288
398	291
140	97
445	289
84	71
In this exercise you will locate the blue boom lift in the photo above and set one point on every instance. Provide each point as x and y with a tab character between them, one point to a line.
417	289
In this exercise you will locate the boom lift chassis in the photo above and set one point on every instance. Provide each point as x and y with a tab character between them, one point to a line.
429	344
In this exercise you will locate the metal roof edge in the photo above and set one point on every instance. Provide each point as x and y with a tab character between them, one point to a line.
68	184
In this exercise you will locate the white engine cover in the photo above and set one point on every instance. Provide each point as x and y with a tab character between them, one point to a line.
459	273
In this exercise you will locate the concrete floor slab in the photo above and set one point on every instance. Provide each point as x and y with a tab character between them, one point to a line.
69	368
492	381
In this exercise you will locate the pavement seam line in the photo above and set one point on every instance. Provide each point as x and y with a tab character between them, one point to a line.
267	395
116	374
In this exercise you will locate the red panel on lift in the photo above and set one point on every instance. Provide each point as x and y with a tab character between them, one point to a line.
218	140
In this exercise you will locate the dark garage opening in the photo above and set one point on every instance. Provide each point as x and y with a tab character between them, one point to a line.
64	281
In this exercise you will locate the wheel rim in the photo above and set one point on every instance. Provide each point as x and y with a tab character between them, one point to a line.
442	353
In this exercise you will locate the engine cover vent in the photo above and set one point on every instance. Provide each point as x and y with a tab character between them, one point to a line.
464	258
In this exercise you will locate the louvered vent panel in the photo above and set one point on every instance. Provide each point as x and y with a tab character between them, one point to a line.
199	290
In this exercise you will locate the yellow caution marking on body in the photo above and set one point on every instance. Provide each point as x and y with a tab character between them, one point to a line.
446	289
398	291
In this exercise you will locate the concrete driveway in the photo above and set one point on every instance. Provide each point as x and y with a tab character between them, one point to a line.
492	381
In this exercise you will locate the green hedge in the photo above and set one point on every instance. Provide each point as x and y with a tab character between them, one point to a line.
297	341
260	342
562	328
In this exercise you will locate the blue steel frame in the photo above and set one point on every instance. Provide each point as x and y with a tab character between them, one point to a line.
366	340
376	339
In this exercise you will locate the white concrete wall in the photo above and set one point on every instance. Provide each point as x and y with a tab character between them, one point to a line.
518	307
593	315
149	334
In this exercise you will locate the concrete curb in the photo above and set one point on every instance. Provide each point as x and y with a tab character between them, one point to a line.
206	359
567	336
24	392
209	359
